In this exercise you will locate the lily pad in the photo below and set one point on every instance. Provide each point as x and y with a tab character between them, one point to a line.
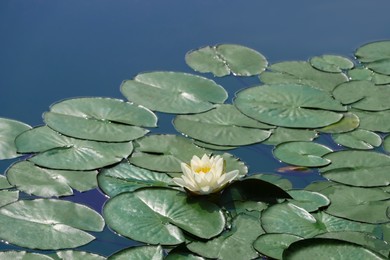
348	123
224	125
44	182
364	73
358	168
376	56
282	135
139	253
159	216
72	254
300	72
57	151
374	121
326	248
233	244
125	177
182	253
331	63
214	146
289	105
275	179
306	154
100	119
9	130
173	92
4	184
358	139
58	224
386	143
23	255
363	95
8	196
308	200
273	245
223	59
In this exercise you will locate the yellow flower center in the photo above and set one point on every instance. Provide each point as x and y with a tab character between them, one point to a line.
203	169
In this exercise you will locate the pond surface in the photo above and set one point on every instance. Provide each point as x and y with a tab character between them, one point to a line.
52	50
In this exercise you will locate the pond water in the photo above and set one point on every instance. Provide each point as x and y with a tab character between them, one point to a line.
52	50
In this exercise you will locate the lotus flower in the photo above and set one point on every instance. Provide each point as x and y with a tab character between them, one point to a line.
205	176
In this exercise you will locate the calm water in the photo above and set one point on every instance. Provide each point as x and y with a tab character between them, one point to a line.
54	49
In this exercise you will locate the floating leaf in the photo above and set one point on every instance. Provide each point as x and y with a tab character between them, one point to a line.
126	177
386	143
273	245
44	182
173	92
223	59
363	95
374	121
4	184
57	223
300	72
8	196
326	248
213	146
72	254
276	179
308	200
358	168
366	74
224	125
282	135
9	130
376	56
158	216
306	154
182	253
289	105
331	63
358	139
235	243
139	253
348	123
23	255
60	152
100	119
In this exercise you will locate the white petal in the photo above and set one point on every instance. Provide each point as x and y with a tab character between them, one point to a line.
205	190
195	161
228	177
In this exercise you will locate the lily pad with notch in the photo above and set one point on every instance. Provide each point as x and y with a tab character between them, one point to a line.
282	135
349	122
376	56
358	139
9	130
331	63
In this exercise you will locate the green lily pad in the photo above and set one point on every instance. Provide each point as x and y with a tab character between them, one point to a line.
308	200
376	56
358	204
237	207
233	244
159	216
57	151
9	130
44	182
58	224
139	253
363	95
273	245
374	121
125	177
367	74
275	179
358	139
282	135
182	253
291	219
386	143
365	239
224	125
8	196
348	123
173	92
223	59
358	168
214	146
289	105
4	184
23	255
72	254
300	72
306	154
100	119
331	63
326	248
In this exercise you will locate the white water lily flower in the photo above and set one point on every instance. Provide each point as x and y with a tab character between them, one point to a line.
205	176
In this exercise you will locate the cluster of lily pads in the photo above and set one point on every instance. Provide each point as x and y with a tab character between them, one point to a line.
107	143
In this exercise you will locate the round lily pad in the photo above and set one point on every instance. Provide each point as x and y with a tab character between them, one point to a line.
358	139
300	72
57	223
223	59
282	135
289	105
139	253
376	56
224	125
9	130
273	245
358	168
307	154
173	92
8	196
308	200
348	123
100	119
159	216
374	121
331	63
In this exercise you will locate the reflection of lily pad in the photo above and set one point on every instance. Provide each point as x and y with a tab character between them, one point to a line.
331	63
224	125
221	60
159	216
9	130
100	119
289	105
358	139
173	92
302	153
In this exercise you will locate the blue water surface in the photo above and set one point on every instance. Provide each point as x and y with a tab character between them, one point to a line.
57	49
